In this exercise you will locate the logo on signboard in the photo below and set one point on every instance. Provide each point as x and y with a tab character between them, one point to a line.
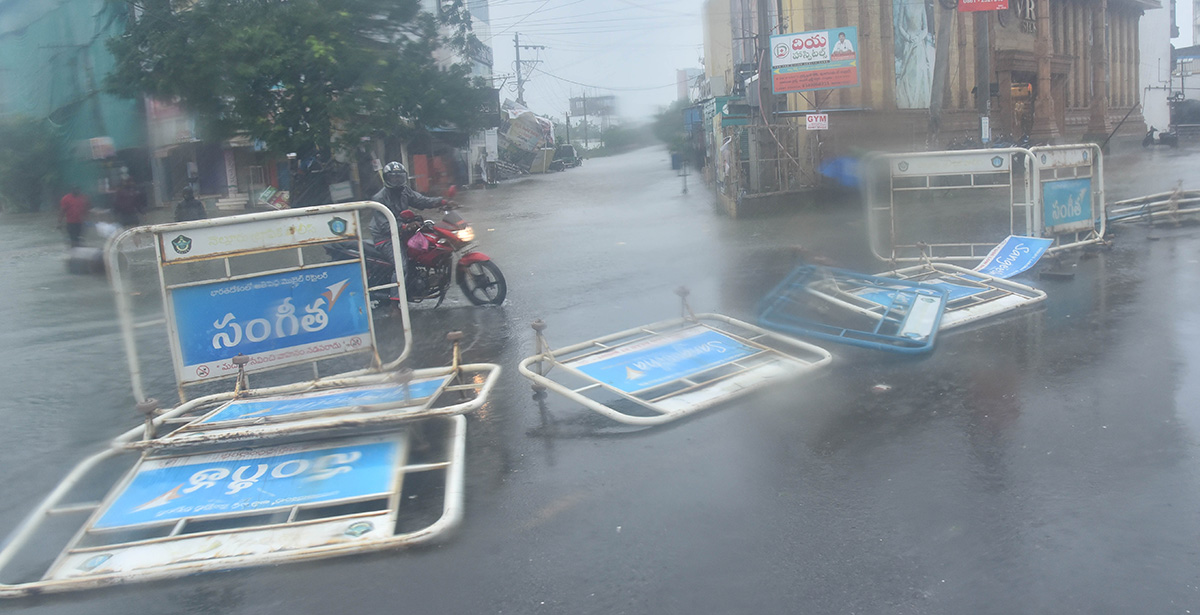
182	244
997	162
903	166
338	226
781	50
93	562
358	529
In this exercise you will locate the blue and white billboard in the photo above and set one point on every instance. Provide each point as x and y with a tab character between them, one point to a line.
1067	205
254	480
275	320
663	359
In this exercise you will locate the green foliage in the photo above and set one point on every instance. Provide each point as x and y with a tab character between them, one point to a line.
28	159
301	74
668	125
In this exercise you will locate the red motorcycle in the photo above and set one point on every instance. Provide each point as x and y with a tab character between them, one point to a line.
438	250
439	254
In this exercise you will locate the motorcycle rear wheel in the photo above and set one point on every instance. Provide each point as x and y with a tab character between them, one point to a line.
482	283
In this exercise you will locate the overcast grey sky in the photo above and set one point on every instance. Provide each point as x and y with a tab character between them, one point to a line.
627	48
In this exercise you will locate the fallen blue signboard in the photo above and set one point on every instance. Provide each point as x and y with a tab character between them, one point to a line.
275	320
657	361
854	308
1013	256
316	402
252	480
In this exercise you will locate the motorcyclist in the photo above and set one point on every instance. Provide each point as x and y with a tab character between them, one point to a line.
397	196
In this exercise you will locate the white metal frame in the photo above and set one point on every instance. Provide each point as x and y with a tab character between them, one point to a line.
129	328
58	503
931	172
1170	206
689	395
1039	164
186	434
997	295
1078	161
186	427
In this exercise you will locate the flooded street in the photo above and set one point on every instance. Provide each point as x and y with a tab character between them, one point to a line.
1044	462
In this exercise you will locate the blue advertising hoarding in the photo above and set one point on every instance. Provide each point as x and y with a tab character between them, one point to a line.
314	402
254	480
1014	255
1067	205
663	359
275	320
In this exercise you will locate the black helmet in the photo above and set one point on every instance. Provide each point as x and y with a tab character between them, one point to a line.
395	175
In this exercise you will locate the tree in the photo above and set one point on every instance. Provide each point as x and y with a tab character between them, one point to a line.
301	75
668	126
28	159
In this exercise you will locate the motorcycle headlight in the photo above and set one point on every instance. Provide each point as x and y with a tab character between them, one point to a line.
465	234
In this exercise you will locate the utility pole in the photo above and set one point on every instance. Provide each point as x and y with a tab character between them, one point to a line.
567	114
765	97
585	121
520	79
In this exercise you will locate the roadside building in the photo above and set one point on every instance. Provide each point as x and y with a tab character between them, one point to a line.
1155	31
1094	69
53	61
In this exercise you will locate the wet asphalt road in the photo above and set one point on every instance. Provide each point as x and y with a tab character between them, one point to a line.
1045	463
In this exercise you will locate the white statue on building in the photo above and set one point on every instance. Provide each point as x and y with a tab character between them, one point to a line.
914	53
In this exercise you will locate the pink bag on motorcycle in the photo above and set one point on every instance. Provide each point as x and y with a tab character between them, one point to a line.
418	243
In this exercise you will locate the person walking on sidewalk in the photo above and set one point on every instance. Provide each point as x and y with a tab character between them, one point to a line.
129	203
73	211
190	208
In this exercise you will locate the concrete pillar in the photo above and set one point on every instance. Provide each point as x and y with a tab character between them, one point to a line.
1098	126
1045	127
1008	121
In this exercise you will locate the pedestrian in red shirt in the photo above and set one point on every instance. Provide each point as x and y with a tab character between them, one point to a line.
72	210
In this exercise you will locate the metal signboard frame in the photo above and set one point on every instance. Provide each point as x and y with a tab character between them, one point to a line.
904	316
667	370
246	423
972	296
1068	182
241	526
935	172
310	409
1164	206
219	240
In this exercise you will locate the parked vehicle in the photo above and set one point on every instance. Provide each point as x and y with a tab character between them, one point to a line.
566	157
439	255
1168	138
